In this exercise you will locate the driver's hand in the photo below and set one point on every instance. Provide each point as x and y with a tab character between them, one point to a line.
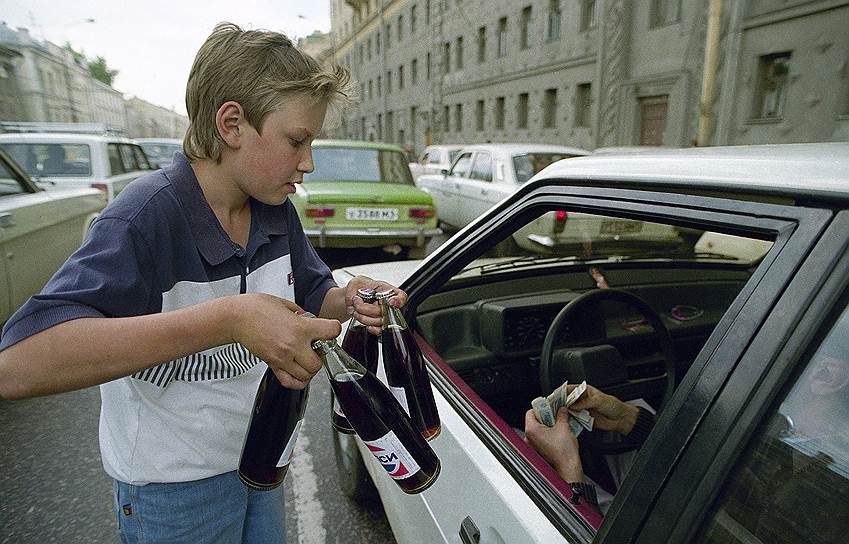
610	413
556	444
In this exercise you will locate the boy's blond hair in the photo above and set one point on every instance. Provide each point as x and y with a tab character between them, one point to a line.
257	69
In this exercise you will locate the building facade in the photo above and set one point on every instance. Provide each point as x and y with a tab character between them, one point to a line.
146	120
593	73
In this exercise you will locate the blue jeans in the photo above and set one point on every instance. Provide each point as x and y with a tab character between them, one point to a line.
218	510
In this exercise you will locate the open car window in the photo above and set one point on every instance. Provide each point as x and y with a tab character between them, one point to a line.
489	322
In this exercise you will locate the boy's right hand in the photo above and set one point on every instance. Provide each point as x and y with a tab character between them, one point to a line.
271	329
609	413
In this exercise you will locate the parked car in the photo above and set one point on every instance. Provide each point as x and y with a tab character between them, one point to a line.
434	159
160	151
745	358
362	195
38	231
484	174
61	160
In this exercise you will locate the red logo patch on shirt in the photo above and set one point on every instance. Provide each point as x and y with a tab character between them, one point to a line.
291	278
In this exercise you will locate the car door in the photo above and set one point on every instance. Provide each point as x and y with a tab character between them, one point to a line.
451	187
477	192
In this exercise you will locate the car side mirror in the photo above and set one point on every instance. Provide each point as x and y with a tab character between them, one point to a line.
444	172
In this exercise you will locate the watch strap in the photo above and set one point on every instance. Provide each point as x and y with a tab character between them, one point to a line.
583	490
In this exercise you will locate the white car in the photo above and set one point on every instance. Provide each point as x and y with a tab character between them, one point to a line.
484	174
160	151
63	160
744	357
434	159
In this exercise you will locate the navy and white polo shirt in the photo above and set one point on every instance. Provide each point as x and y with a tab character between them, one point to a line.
158	247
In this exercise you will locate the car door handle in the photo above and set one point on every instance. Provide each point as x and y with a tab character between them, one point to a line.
7	220
469	532
484	192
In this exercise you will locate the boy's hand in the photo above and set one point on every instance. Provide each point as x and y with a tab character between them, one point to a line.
270	328
610	413
370	314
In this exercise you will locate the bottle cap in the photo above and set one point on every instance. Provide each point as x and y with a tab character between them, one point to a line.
324	345
367	294
385	295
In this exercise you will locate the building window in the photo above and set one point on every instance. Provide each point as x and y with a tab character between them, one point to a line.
589	15
549	108
553	30
387	35
377	43
773	72
481	45
446	119
522	111
368	48
388	81
502	37
401	77
379	126
390	124
446	57
480	116
379	85
370	88
664	12
414	72
458	118
363	89
427	66
583	103
499	113
427	13
413	17
526	29
400	28
459	63
414	113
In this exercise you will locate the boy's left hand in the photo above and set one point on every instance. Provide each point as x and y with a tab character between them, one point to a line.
370	314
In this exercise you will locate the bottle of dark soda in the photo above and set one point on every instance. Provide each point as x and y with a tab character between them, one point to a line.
272	432
362	346
406	373
379	420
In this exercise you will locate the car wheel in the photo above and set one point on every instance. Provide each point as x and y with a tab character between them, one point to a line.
354	479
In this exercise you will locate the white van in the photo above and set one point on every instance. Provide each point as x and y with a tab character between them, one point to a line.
62	160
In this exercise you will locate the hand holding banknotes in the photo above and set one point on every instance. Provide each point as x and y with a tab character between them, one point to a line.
557	444
608	412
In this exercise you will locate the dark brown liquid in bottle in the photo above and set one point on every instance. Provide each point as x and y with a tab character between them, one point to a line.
274	418
362	346
405	368
374	412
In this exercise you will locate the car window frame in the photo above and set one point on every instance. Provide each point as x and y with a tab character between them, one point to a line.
451	171
477	156
26	183
769	361
629	203
113	148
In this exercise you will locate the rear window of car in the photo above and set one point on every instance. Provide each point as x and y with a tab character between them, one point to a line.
44	160
530	164
355	164
161	153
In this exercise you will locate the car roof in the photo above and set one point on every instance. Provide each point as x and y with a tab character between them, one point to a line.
174	141
359	144
521	149
61	137
793	170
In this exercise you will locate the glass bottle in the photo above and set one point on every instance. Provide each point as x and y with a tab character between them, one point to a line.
406	373
362	346
379	420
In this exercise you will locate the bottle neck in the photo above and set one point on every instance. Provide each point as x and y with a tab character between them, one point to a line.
335	360
392	317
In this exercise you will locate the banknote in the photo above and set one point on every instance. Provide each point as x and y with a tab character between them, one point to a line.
546	408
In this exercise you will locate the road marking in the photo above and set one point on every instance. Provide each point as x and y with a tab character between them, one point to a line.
308	509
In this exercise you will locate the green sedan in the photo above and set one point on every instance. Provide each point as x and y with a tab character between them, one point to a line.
362	195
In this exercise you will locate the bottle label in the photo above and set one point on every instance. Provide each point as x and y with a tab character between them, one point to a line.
290	446
337	408
390	452
401	394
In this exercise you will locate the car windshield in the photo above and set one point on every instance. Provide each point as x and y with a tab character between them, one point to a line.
160	153
559	237
39	160
356	164
529	164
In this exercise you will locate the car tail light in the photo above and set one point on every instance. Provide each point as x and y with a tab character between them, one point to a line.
320	212
560	218
101	186
421	213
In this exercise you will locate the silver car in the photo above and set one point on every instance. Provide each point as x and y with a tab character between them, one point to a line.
38	231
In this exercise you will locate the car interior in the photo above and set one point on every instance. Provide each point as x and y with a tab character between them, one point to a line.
626	313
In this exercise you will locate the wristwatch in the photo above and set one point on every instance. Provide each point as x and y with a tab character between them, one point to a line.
581	489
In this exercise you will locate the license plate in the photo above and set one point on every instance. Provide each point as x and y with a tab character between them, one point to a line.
371	214
620	226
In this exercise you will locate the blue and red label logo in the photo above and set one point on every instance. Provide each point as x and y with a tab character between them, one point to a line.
390	461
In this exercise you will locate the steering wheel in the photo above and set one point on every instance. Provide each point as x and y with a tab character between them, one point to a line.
602	365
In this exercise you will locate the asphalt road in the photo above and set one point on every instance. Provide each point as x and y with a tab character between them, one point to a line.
53	488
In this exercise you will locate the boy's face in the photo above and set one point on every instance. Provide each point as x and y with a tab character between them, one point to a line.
270	164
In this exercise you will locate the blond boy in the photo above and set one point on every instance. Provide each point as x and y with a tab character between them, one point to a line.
186	287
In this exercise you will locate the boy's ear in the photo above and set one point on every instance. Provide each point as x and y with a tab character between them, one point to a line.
230	122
